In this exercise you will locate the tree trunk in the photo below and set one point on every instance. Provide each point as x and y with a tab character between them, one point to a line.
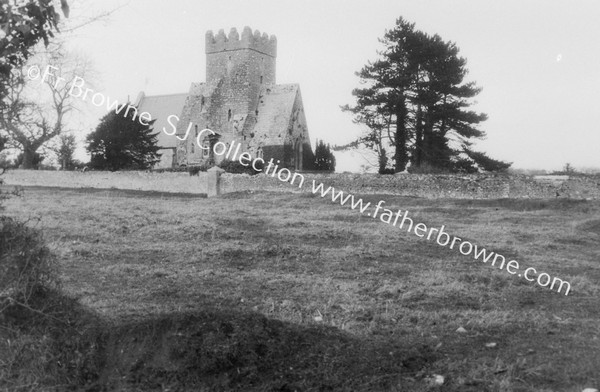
401	156
418	158
28	159
428	150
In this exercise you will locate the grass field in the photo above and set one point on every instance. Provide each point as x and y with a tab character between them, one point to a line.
289	292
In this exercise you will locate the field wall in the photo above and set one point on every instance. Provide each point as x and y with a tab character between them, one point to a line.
135	180
480	186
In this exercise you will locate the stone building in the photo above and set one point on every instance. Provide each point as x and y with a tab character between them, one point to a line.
240	102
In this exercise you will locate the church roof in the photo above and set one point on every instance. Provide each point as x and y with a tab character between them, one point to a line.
275	112
160	108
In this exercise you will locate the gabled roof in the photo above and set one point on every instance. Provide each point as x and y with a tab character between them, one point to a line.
275	111
160	108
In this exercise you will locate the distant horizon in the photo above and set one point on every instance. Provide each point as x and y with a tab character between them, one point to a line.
351	161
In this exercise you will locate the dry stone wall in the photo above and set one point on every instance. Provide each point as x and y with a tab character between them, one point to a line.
421	185
480	186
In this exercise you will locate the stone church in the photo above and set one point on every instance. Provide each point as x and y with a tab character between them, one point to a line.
240	102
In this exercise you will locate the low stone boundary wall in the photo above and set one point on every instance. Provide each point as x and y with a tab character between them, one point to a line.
176	182
478	186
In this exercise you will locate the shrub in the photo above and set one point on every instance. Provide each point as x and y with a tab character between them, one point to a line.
17	191
177	169
567	170
194	170
77	165
324	158
428	168
26	265
237	168
387	170
43	166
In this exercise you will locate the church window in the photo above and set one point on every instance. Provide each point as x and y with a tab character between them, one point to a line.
196	129
261	79
206	148
229	115
192	148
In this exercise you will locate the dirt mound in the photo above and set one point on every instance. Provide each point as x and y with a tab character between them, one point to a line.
219	351
222	351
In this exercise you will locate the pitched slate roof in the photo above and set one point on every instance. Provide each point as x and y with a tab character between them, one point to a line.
275	111
160	108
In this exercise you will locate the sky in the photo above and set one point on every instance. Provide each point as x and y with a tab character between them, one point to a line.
538	62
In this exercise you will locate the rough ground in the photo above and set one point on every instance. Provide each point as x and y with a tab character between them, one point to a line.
283	292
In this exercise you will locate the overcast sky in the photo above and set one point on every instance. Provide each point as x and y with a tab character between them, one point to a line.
537	61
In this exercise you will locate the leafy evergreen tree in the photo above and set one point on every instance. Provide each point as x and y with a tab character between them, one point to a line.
324	158
121	142
486	163
383	105
416	102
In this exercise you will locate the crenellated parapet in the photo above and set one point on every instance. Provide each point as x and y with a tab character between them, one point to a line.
221	43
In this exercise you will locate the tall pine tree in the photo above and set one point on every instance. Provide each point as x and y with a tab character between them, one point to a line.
122	142
416	103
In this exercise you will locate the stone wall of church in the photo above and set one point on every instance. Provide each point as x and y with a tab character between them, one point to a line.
236	71
297	140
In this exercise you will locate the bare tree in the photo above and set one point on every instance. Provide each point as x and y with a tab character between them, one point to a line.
36	111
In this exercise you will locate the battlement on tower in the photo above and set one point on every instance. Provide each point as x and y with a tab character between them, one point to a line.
222	43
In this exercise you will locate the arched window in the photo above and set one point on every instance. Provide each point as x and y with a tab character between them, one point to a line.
229	115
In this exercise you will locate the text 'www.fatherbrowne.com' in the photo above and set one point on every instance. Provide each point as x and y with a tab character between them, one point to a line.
401	220
78	89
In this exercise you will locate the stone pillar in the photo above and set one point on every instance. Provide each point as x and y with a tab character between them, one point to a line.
213	181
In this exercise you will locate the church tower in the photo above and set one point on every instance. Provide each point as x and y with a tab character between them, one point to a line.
249	58
240	67
242	104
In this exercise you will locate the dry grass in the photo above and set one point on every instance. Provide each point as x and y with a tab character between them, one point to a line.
267	264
